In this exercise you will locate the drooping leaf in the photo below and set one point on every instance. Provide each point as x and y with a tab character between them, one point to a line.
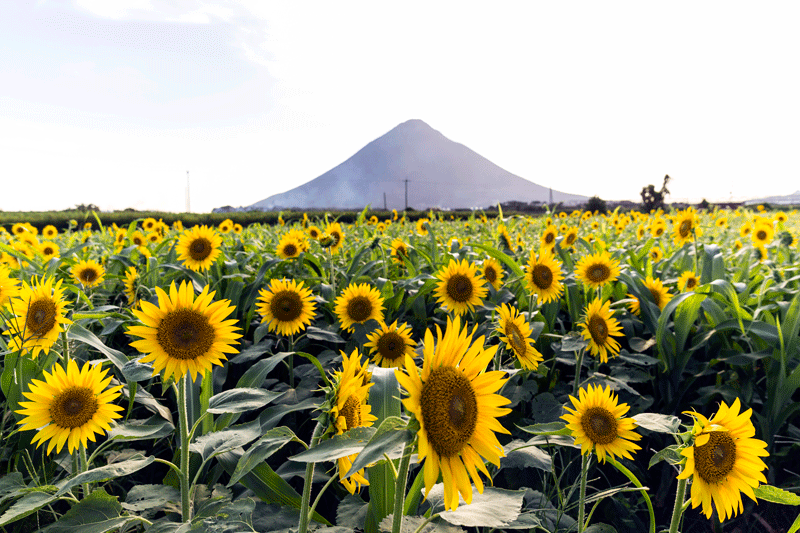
240	400
218	442
494	508
776	495
272	441
391	435
658	422
97	513
348	443
520	454
159	497
103	473
152	428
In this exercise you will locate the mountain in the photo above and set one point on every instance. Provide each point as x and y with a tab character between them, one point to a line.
439	173
789	199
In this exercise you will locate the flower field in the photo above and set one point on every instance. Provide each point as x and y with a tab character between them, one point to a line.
571	372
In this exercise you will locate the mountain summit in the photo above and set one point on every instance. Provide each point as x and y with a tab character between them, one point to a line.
437	171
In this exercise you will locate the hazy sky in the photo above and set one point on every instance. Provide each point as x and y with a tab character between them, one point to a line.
111	101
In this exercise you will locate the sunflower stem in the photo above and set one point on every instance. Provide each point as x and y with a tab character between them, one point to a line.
582	496
183	423
578	367
305	512
84	467
619	466
400	487
76	467
290	361
677	511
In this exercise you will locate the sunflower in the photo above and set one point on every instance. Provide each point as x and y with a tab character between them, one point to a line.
49	250
422	226
288	247
238	229
287	306
177	225
762	235
597	270
454	401
599	327
314	232
357	304
70	406
492	272
543	276
154	237
504	237
184	333
780	217
49	232
137	238
390	344
226	226
737	245
658	228
350	410
300	236
724	460
336	233
721	222
38	316
688	281
399	251
685	226
199	247
596	423
640	231
656	254
88	273
570	237
548	238
517	336
149	224
460	287
9	286
131	279
661	295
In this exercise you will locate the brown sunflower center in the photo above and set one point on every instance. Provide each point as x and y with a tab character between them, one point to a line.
599	425
88	275
290	250
598	329
48	250
598	273
685	228
549	237
200	249
691	283
490	274
137	241
542	277
313	233
571	238
659	231
41	317
459	288
401	250
761	235
449	410
515	339
286	306
185	334
656	297
715	459
391	345
359	309
351	411
73	407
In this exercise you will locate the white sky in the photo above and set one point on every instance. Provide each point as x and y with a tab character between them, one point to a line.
111	102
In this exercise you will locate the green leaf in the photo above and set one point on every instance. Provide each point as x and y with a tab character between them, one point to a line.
352	511
520	454
494	508
157	497
218	442
11	486
671	454
658	422
348	443
550	428
776	495
272	441
501	256
600	528
104	473
391	434
152	428
240	400
79	333
572	342
317	364
28	504
318	334
97	513
795	525
411	524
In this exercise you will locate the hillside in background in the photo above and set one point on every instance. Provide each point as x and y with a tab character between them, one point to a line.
440	173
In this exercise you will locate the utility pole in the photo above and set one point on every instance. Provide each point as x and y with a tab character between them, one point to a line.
384	202
406	180
187	192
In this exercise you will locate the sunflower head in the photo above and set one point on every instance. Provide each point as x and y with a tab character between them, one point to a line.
131	285
724	460
287	306
460	287
399	251
288	247
762	234
49	232
9	286
70	406
357	304
199	247
543	276
597	270
38	317
686	227
599	327
88	273
453	399
516	332
548	238
337	235
688	281
661	295
596	421
389	345
184	333
492	272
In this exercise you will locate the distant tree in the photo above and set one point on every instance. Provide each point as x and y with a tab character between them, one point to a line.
704	204
596	204
86	207
653	199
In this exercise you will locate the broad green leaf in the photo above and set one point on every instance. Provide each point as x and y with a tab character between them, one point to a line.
600	528
104	473
217	442
412	524
240	400
152	428
97	513
28	504
658	422
352	512
550	428
502	257
11	486
318	334
671	454
348	443
272	441
795	527
391	434
494	508
520	454
158	497
79	333
776	495
573	341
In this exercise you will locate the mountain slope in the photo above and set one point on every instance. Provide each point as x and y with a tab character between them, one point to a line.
441	173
